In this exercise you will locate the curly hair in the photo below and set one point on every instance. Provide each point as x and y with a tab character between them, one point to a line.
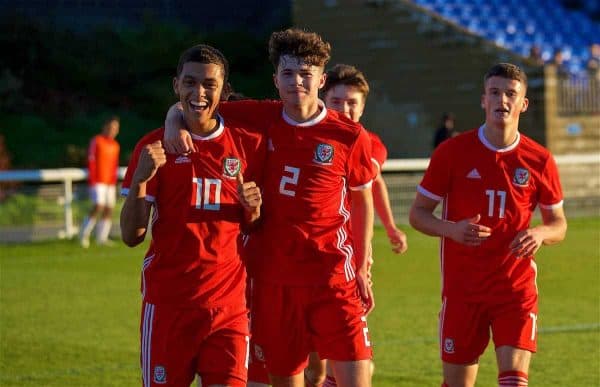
203	53
508	71
308	46
343	74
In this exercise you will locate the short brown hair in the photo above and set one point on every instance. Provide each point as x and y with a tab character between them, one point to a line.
308	46
343	74
506	70
203	53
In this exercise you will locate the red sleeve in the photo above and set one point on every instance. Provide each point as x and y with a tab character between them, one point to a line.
550	193
360	169
436	182
378	151
92	165
250	112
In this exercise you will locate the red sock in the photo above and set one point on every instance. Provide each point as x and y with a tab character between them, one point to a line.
444	384
512	379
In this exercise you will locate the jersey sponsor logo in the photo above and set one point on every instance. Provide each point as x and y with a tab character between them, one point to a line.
231	167
521	177
474	174
182	159
323	154
449	345
160	375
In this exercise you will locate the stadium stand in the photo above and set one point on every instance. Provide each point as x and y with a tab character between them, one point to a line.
569	25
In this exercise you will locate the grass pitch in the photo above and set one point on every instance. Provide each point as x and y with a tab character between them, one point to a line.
70	317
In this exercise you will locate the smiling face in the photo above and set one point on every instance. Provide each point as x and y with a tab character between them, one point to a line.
346	99
199	87
298	83
503	101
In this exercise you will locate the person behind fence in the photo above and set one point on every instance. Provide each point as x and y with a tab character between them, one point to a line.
490	181
103	165
445	130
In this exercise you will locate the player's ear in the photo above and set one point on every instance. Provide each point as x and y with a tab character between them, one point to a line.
323	79
275	81
525	105
482	101
175	86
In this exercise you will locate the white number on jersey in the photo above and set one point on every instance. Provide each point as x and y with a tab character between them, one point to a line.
491	194
289	180
204	188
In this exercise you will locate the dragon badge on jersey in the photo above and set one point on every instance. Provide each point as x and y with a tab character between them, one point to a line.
231	167
324	154
160	375
521	177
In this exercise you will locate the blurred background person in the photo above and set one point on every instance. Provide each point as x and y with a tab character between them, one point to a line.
445	130
103	165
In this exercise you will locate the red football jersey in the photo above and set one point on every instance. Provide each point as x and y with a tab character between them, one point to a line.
306	238
378	151
504	186
103	160
194	255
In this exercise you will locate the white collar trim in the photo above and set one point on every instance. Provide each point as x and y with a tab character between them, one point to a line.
213	135
492	147
312	122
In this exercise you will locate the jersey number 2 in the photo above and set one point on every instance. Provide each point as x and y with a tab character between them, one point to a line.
204	188
289	180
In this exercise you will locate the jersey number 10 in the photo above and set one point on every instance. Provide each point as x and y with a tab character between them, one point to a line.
204	188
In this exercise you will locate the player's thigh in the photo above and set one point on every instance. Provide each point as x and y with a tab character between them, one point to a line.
464	331
339	324
111	196
460	375
279	327
98	194
167	349
514	330
222	356
352	373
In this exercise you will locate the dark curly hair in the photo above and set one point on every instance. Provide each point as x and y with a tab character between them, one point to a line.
308	46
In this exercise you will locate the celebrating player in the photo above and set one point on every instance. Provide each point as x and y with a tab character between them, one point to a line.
194	315
490	180
346	90
311	287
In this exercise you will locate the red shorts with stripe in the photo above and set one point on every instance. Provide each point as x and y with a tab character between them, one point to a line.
288	322
178	343
465	327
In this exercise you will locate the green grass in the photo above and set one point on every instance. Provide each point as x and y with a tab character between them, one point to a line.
70	317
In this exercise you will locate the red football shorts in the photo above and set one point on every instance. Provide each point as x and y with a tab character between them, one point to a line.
178	343
465	327
288	322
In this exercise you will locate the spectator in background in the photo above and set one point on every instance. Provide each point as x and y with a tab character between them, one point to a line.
445	131
535	55
593	64
103	164
558	61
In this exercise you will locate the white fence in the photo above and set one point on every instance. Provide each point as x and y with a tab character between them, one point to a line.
66	187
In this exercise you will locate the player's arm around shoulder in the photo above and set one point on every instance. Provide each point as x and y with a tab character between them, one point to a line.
136	209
